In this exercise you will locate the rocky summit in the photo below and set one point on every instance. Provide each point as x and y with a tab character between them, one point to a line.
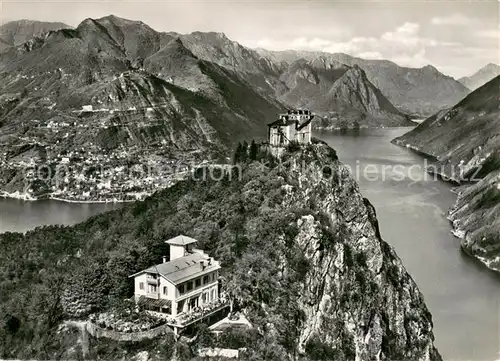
481	77
465	140
302	259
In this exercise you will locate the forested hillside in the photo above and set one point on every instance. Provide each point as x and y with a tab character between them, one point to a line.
301	253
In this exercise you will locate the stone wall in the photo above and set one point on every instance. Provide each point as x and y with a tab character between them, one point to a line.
99	332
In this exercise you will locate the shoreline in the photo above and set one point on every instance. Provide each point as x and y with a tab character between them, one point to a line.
455	228
27	198
114	201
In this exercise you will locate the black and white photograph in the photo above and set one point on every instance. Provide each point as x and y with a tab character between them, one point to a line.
218	180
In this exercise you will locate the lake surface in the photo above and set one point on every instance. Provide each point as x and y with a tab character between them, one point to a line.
21	216
462	295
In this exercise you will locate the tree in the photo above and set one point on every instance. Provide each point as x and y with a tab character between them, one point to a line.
237	154
254	149
244	152
241	153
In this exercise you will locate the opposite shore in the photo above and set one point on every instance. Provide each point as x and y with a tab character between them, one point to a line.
29	198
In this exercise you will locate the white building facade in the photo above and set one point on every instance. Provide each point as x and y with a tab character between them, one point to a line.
189	280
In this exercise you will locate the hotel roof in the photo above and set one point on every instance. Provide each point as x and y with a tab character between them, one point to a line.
183	268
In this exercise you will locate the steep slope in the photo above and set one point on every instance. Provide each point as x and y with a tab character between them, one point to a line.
476	218
481	77
419	92
15	33
217	48
301	253
466	142
260	72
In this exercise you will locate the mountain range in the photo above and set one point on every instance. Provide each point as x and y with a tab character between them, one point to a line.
129	73
414	91
282	76
481	77
191	92
465	140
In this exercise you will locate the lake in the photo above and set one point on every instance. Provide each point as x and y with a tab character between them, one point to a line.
21	216
462	295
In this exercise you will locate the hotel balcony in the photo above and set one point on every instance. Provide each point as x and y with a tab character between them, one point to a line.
187	318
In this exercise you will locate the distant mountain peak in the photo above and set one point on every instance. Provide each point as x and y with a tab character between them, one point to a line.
430	68
481	77
17	32
120	21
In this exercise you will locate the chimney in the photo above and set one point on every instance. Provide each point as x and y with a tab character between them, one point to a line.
202	264
164	259
210	261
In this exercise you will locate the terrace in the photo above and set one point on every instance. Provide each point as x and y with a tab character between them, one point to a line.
185	319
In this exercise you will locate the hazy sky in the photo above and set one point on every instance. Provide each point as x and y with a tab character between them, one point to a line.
457	37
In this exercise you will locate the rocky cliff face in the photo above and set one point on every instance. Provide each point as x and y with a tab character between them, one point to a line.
465	140
356	296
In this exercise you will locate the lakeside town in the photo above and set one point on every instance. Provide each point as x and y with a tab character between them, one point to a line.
75	168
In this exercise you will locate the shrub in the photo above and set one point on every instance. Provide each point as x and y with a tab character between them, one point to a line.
293	147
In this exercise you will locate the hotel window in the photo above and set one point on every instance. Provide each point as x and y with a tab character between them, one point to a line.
212	295
197	282
204	297
141	286
206	279
152	288
189	286
165	291
181	289
214	276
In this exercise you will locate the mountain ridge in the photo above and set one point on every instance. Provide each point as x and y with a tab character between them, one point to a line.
481	77
17	32
426	90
